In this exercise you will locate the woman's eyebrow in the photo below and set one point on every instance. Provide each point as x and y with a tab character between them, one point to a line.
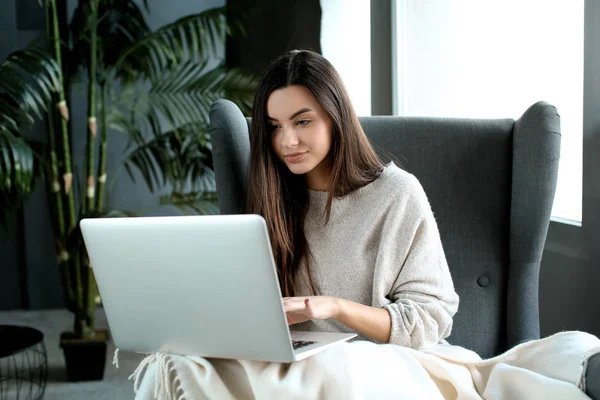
294	115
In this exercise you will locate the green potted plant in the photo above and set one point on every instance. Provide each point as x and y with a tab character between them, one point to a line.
156	87
28	78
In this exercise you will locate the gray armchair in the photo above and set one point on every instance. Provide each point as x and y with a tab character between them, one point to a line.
491	185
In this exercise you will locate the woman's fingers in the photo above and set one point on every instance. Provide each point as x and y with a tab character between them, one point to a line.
292	299
294	307
296	317
299	309
315	307
294	303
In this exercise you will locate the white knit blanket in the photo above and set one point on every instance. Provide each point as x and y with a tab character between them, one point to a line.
549	368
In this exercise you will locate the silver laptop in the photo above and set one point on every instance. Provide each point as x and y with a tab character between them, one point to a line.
195	285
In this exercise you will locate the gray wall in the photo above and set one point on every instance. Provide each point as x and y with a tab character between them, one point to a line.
569	298
21	21
17	28
9	266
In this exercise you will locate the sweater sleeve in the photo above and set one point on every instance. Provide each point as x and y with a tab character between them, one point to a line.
423	297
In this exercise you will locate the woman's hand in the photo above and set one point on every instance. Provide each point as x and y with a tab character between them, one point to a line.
301	309
373	322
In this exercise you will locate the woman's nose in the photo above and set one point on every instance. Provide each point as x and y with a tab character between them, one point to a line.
289	138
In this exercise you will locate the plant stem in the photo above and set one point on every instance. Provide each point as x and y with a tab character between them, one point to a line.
55	187
61	250
68	171
64	256
103	148
55	183
86	278
92	124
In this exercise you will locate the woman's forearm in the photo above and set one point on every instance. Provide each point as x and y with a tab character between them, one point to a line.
373	322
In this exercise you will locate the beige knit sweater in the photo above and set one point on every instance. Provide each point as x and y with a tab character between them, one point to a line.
381	247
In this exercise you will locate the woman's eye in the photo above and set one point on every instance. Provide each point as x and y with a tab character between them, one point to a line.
303	122
274	127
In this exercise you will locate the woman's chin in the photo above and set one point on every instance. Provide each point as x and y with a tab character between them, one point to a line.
299	168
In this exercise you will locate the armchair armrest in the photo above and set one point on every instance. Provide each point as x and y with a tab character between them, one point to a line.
592	377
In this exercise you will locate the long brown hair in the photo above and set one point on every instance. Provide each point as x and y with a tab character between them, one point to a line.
282	197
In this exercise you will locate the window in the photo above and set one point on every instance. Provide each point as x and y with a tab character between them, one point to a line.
483	59
346	43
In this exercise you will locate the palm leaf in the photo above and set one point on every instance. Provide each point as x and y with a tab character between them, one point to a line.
167	85
28	78
196	37
234	84
181	158
17	172
116	120
184	94
192	202
108	214
121	24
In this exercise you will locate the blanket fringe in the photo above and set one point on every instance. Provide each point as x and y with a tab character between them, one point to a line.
137	374
115	361
163	390
582	382
582	378
178	389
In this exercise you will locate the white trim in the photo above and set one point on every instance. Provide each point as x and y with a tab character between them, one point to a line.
398	69
567	251
566	238
566	221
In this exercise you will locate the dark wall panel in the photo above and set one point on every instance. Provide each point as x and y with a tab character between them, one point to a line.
30	16
274	27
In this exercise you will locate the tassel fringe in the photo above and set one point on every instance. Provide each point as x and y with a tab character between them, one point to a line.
163	389
115	361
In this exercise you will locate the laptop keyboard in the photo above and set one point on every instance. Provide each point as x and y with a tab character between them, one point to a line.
300	343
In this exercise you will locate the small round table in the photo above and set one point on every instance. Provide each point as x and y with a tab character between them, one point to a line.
23	363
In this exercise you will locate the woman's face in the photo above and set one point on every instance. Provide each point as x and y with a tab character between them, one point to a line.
301	133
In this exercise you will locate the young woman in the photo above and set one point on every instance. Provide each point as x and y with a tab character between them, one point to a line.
358	249
355	241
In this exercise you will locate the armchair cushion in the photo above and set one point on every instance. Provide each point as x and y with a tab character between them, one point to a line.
592	377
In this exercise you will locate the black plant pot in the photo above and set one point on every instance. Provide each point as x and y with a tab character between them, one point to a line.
85	358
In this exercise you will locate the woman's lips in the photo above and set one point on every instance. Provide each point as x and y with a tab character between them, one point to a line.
295	157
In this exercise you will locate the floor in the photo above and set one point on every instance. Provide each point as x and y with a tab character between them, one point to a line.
115	385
